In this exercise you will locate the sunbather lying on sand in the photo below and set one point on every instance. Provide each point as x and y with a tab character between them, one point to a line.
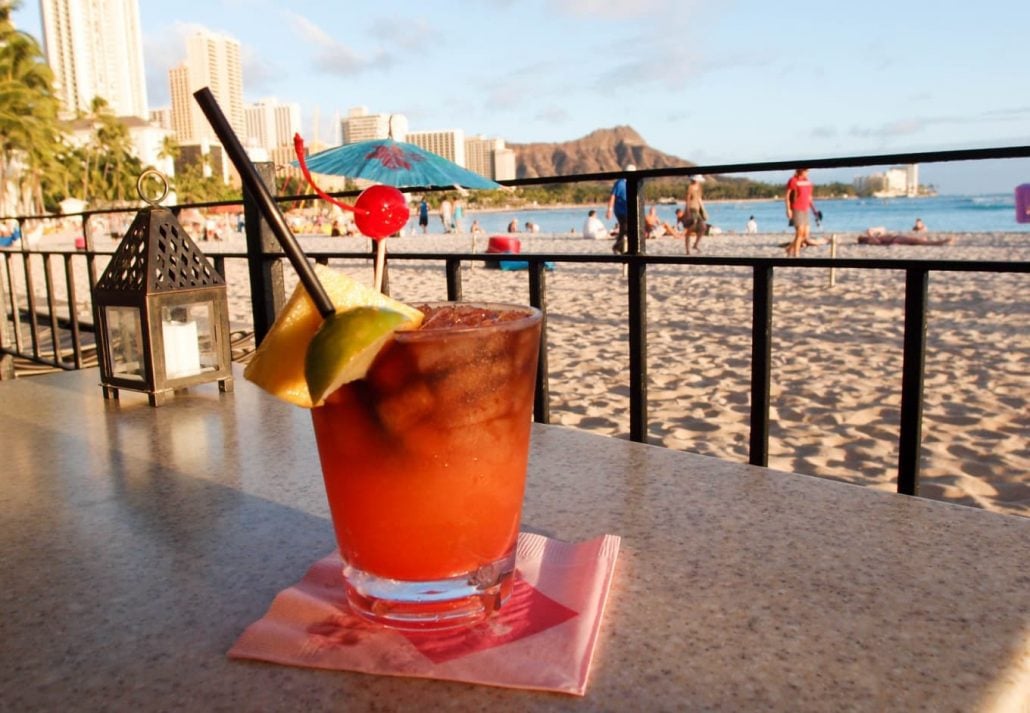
880	236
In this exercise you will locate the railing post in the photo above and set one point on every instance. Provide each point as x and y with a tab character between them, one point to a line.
219	261
6	331
538	299
73	310
833	256
637	297
267	290
910	439
761	357
453	280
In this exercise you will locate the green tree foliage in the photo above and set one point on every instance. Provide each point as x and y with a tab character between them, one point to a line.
29	138
109	168
192	186
654	190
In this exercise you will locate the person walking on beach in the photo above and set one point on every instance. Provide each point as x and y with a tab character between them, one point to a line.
799	202
445	214
423	215
695	214
477	231
459	216
619	207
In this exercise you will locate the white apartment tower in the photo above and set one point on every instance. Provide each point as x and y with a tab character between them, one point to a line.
94	48
479	154
212	61
359	125
449	143
271	125
490	158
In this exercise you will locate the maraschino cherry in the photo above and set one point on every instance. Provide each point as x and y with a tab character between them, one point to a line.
380	211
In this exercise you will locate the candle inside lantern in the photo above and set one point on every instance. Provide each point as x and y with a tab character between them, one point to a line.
181	346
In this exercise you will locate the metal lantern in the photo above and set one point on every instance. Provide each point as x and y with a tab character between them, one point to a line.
161	310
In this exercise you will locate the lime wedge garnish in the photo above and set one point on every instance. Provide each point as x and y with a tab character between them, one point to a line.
278	364
345	346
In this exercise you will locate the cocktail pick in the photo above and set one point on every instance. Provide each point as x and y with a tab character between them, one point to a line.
266	204
379	212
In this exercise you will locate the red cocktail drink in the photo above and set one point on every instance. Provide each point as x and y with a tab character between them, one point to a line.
425	462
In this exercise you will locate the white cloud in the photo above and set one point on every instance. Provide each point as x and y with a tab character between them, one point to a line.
416	34
333	57
635	10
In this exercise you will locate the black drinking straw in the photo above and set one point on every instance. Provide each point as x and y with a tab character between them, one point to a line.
266	204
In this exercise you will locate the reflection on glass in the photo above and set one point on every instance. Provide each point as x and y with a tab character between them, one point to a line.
125	340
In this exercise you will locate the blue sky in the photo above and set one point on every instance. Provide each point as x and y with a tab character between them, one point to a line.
710	81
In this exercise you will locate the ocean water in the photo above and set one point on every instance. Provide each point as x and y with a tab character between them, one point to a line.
941	214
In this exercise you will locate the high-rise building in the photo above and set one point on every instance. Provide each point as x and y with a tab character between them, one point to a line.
271	125
489	158
449	143
504	164
479	154
180	112
94	48
162	117
359	125
212	61
895	181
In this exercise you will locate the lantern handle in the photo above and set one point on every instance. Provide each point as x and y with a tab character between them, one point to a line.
164	186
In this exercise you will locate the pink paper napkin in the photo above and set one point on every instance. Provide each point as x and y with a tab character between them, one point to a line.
543	638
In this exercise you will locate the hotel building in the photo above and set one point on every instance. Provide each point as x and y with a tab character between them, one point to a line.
94	48
895	182
359	125
271	125
449	143
489	158
212	61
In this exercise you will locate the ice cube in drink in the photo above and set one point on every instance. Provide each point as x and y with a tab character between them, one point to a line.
424	463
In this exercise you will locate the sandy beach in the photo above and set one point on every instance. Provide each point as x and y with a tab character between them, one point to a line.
837	353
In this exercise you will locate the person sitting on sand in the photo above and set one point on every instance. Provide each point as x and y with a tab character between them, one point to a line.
880	236
532	227
919	227
593	227
655	227
513	226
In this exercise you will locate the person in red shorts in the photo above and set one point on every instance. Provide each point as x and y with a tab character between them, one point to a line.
799	202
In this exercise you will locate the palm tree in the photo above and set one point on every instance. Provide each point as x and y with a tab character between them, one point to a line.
29	136
109	167
170	149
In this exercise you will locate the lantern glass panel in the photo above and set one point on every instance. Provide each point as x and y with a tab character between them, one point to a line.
125	342
188	331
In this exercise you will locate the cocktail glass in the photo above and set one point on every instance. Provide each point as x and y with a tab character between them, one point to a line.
424	463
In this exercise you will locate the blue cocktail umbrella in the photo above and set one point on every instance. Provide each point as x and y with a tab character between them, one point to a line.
395	163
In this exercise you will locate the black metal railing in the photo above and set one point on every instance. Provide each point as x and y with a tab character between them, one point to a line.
266	284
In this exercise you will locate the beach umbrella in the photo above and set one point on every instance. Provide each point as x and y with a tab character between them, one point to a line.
395	163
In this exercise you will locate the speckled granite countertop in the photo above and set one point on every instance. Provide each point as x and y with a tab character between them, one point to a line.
137	543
